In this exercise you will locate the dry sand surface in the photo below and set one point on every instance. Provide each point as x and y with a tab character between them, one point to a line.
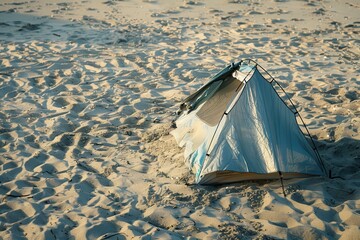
88	92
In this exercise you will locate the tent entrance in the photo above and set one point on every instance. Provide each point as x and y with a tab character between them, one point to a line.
215	106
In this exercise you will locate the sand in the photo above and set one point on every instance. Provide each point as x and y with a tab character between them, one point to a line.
88	92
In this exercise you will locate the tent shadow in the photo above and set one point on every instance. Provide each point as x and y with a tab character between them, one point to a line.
341	157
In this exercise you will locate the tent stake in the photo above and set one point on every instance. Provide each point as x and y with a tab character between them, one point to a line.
282	183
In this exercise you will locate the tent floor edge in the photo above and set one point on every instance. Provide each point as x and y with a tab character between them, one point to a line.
282	183
226	177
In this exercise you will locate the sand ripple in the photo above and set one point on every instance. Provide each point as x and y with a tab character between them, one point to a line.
88	92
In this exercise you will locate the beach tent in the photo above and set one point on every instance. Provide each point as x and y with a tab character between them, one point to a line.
241	125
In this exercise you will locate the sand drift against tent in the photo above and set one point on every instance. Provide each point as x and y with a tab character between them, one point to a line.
237	127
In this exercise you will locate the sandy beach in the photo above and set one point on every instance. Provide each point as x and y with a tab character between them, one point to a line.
89	90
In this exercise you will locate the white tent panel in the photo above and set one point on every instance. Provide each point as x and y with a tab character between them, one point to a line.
191	132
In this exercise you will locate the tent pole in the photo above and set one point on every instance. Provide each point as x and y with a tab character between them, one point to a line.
282	183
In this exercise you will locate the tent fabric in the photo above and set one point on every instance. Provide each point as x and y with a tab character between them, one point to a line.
244	131
215	106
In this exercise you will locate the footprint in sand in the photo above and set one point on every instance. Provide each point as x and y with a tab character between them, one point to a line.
36	160
30	27
103	229
9	175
